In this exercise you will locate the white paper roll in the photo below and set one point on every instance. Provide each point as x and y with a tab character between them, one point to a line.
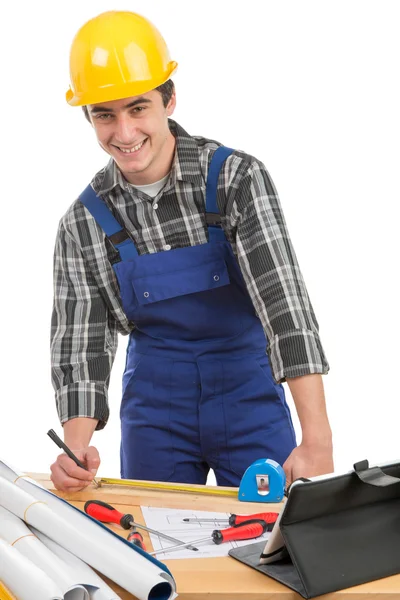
24	579
15	532
98	588
137	572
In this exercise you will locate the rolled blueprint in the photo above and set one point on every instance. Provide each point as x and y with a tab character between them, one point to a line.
24	579
130	567
14	531
97	587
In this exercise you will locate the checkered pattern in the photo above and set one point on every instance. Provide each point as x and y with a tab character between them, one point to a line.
88	313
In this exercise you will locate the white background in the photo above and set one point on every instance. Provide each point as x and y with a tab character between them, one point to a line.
312	89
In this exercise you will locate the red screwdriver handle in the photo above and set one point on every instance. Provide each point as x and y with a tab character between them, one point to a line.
136	538
269	517
250	529
107	514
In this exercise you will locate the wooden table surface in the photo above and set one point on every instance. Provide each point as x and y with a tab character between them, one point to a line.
212	578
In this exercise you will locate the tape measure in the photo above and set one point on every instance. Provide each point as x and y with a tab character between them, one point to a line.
263	481
169	487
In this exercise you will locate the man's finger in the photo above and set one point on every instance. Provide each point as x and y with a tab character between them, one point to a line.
288	469
67	464
62	486
63	482
92	459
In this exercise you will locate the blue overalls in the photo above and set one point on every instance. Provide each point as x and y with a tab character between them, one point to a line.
198	391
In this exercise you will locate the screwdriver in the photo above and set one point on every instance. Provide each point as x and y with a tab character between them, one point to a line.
269	518
250	529
136	538
108	514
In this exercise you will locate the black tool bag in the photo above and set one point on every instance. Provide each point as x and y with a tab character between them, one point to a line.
337	532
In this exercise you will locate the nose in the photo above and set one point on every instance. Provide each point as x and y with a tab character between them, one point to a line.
125	130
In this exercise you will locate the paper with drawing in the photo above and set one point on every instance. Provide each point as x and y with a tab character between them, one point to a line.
170	521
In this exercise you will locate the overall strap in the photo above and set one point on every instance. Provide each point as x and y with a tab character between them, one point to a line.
213	217
109	224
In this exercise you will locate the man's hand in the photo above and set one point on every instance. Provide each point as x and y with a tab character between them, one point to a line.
68	477
308	461
314	456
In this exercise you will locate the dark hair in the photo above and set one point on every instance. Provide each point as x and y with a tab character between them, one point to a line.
166	90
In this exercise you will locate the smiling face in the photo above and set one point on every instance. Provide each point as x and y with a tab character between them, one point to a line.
135	132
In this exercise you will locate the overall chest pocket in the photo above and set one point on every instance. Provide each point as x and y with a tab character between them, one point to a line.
181	282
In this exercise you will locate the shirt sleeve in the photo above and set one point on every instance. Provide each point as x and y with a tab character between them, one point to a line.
273	278
83	337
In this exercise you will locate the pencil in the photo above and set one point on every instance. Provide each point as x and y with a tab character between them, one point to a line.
52	434
5	593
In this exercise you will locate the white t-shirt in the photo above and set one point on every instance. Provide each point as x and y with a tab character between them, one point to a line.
152	189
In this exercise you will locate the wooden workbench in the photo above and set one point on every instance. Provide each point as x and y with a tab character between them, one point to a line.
212	578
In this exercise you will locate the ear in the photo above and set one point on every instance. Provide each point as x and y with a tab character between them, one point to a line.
171	105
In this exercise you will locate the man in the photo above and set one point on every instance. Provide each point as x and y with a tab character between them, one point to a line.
182	244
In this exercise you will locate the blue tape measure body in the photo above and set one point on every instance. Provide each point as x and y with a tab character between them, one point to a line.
263	481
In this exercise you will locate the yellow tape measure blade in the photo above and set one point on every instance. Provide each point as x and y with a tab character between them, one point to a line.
171	487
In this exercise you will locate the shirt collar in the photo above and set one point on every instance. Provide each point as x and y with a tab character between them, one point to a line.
185	166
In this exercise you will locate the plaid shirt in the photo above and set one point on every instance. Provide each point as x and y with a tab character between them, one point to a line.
88	313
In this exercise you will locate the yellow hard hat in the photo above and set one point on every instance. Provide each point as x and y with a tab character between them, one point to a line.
117	55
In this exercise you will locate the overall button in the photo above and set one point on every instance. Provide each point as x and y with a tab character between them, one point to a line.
146	294
155	206
216	277
167	247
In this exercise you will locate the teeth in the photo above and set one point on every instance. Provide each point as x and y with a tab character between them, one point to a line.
134	149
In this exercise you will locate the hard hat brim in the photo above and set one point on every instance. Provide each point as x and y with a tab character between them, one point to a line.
117	92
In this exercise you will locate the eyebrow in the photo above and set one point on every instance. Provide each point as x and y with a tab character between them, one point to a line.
104	109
